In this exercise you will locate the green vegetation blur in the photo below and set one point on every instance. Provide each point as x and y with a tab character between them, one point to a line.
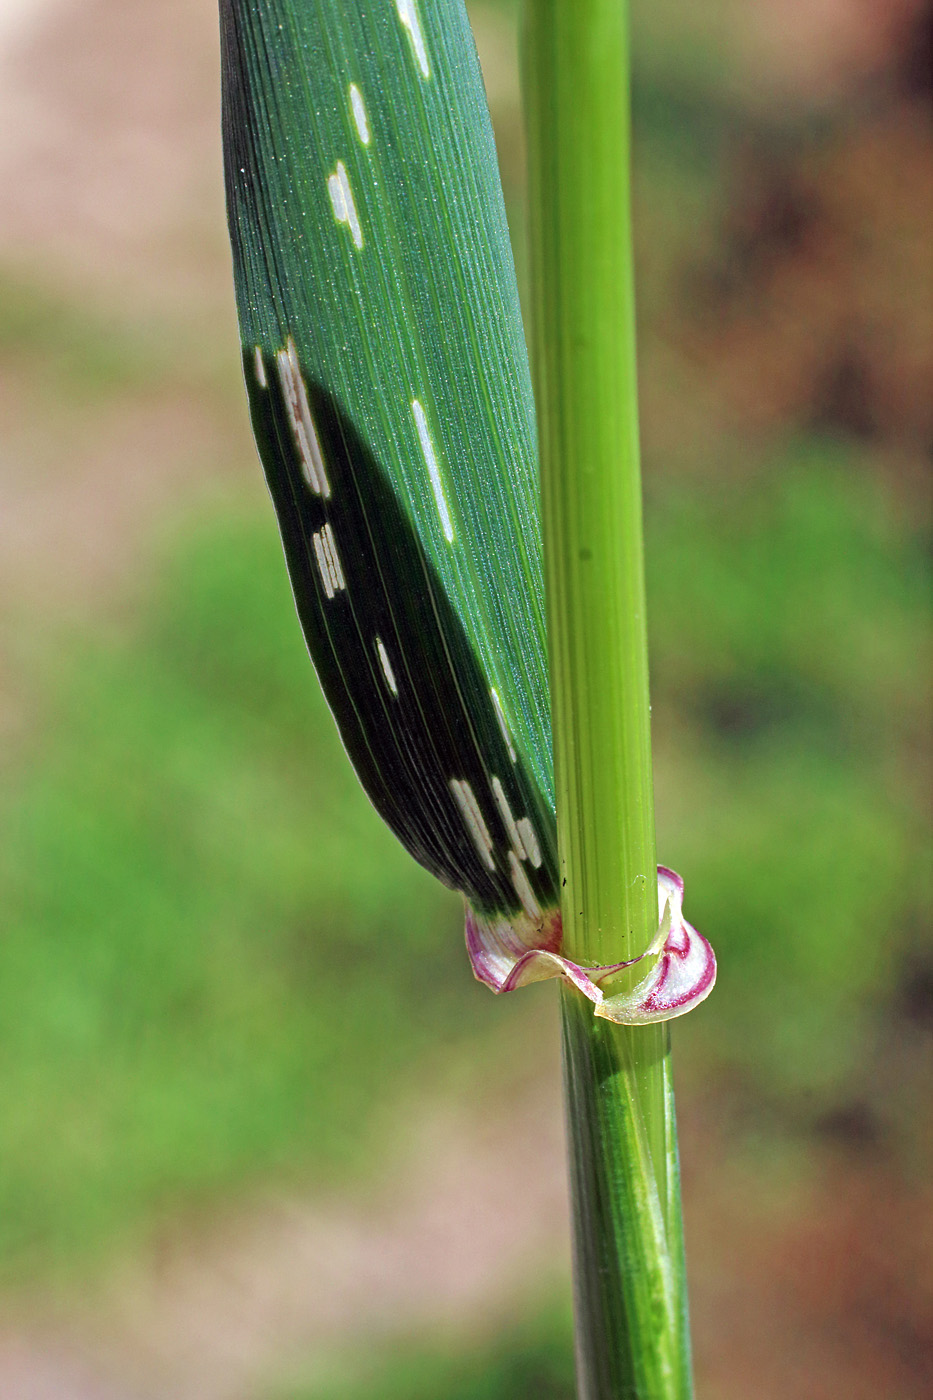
533	1361
217	969
216	954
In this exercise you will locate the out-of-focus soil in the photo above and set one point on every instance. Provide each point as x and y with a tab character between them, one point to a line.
109	153
817	1291
111	203
473	1210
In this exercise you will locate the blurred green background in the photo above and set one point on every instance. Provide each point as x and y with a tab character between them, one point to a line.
261	1135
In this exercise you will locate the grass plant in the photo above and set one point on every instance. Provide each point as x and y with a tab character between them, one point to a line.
179	872
390	398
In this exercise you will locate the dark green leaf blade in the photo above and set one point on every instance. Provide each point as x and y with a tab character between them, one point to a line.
391	402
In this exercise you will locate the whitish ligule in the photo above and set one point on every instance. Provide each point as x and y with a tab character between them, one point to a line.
510	953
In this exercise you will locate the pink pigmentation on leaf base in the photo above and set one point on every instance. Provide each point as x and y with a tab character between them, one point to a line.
509	952
683	974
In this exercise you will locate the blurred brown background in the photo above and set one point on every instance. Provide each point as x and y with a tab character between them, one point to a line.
229	1171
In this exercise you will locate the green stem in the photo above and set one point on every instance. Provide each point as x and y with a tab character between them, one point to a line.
629	1276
